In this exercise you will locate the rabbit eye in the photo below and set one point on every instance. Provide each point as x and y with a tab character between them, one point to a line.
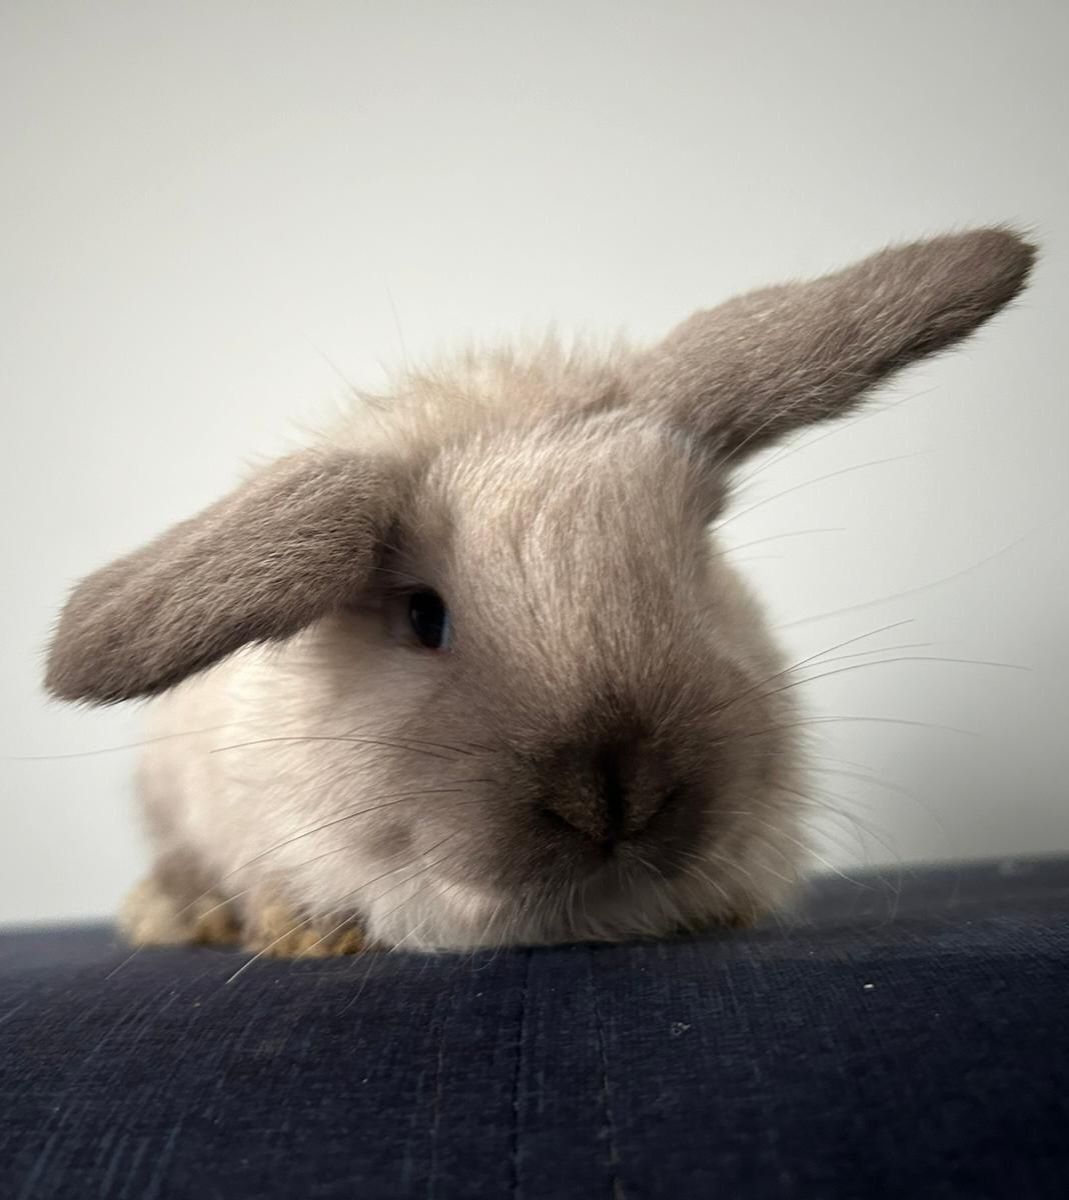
429	619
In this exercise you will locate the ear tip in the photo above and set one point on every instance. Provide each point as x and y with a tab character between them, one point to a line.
1003	253
61	680
79	665
55	680
1014	242
75	682
65	677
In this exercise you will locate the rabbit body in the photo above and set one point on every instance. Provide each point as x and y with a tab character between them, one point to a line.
471	669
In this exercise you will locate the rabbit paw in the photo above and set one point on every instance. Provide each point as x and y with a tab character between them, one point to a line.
275	930
151	916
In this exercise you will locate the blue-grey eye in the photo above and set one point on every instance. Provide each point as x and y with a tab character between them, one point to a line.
429	618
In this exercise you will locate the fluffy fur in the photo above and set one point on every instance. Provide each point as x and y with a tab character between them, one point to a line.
606	749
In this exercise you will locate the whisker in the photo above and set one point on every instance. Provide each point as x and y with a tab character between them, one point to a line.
884	662
642	860
308	920
393	745
732	866
872	409
391	799
912	796
408	899
349	895
152	741
858	824
487	926
820	809
876	462
861	777
776	537
397	327
371	959
439	745
810	658
128	959
400	799
429	866
297	867
823	659
915	591
270	945
706	880
808	850
398	743
936	658
416	928
860	637
827	720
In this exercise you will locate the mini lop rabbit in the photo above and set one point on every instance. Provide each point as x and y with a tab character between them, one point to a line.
470	670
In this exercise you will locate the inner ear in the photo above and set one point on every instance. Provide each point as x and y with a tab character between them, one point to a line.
298	540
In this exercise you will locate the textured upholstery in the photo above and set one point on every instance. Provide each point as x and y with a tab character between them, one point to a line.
862	1052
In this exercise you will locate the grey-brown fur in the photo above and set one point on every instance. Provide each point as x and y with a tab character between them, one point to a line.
294	543
608	747
763	364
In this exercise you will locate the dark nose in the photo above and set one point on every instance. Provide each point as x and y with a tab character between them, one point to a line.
610	794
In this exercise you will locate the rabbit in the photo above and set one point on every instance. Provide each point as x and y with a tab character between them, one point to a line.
469	670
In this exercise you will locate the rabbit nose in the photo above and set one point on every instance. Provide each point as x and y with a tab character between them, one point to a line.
611	794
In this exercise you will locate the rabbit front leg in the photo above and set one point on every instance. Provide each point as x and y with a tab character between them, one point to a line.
168	908
273	928
156	913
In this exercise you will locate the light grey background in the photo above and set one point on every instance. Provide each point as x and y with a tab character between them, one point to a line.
204	206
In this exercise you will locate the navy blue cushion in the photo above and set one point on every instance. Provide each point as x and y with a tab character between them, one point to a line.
858	1054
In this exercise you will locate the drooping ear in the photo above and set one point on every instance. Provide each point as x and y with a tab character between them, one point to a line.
296	541
765	363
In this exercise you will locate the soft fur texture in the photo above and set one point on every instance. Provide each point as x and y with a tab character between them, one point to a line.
607	746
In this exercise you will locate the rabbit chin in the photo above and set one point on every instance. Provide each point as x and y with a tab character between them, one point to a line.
610	905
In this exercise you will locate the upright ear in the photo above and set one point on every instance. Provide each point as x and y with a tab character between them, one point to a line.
765	363
296	541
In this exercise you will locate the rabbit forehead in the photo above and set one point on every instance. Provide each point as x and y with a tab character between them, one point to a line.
581	522
560	491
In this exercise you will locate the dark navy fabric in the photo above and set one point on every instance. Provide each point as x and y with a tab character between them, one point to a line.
867	1052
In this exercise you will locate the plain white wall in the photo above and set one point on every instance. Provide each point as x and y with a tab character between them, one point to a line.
204	206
